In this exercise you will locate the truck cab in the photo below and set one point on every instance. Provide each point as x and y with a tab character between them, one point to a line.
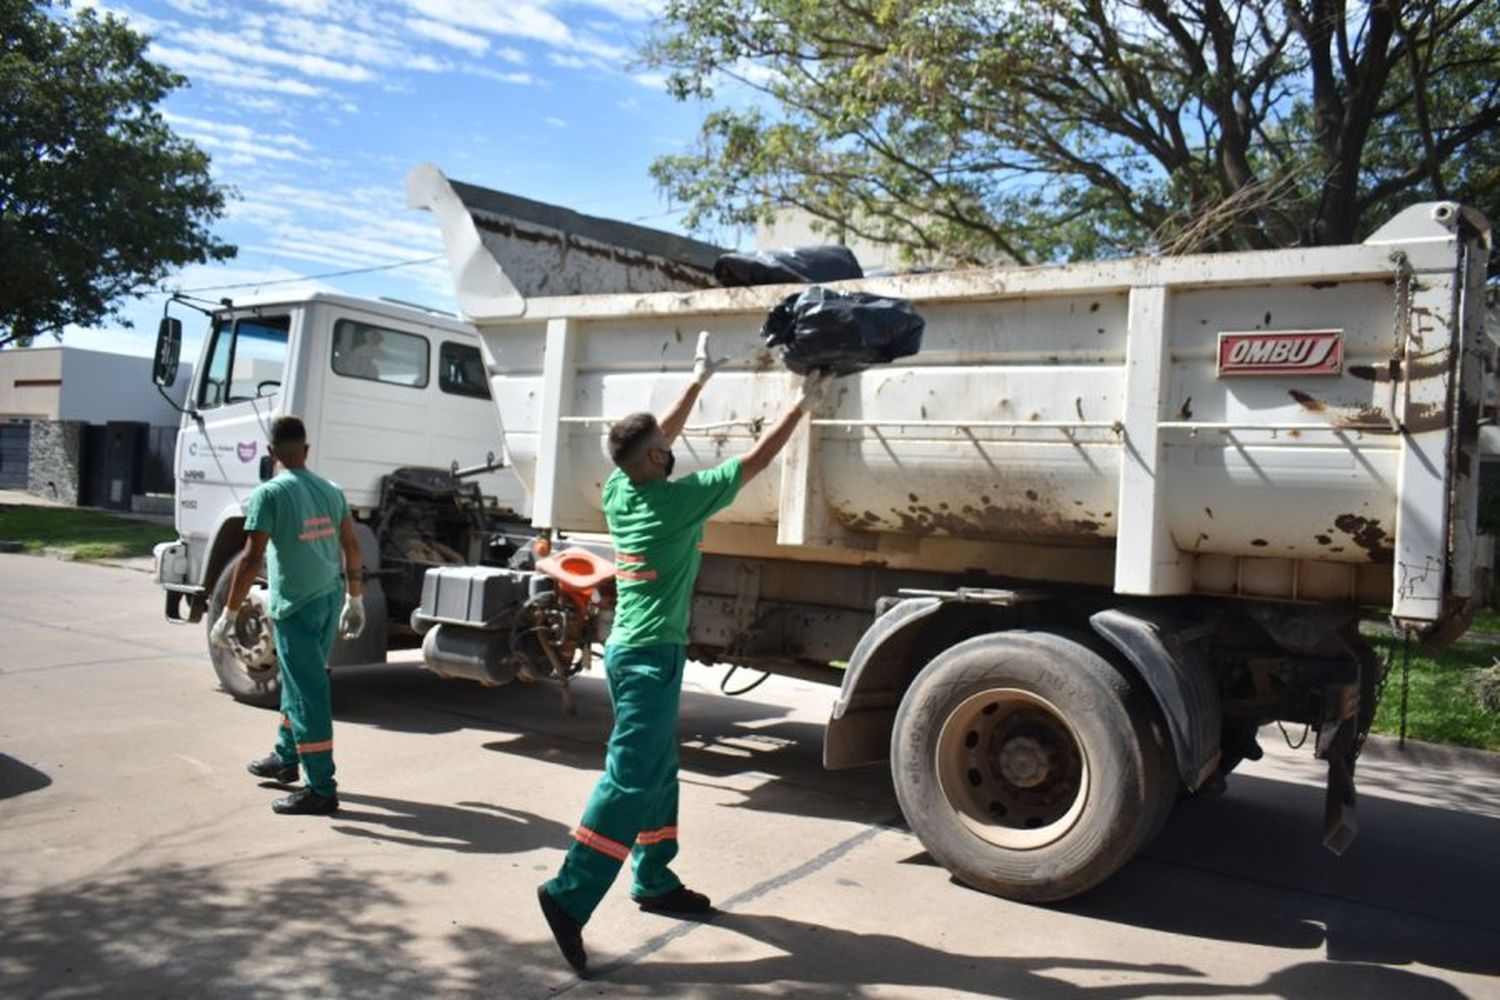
398	411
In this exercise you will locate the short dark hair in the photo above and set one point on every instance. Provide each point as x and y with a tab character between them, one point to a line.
629	435
288	431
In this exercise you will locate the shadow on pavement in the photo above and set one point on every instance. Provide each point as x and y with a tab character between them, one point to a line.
1419	885
17	778
722	737
468	828
828	962
178	931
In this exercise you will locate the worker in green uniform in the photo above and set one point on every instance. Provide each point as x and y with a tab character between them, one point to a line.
299	522
655	523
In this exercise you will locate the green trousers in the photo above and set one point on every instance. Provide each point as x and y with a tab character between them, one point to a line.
303	641
633	811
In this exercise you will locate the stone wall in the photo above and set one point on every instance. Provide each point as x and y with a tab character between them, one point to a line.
56	460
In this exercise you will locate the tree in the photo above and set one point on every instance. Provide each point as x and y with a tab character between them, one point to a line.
98	197
1065	129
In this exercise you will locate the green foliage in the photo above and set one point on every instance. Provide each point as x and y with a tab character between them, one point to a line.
98	197
1056	129
87	534
1443	698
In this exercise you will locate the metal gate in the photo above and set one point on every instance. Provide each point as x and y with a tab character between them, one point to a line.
15	450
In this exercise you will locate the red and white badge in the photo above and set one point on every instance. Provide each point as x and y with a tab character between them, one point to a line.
1285	352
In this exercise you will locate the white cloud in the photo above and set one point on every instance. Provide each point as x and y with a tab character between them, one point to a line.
449	35
568	61
652	81
634	10
555	122
518	18
240	145
521	79
257	103
311	8
511	55
218	69
629	104
198	8
253	48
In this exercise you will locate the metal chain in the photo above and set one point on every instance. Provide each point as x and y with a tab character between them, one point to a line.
1401	329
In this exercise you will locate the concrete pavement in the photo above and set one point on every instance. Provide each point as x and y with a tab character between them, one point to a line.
138	858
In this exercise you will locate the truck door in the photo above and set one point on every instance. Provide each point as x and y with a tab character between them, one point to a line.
237	393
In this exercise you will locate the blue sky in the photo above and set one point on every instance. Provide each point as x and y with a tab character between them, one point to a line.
314	110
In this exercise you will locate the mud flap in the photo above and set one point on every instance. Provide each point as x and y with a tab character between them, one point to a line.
1338	743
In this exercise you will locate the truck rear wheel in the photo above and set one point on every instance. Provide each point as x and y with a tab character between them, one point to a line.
1028	766
247	669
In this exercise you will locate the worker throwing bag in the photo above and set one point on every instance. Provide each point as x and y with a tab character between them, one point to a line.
655	523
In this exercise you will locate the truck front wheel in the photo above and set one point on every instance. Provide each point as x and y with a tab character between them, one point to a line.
247	668
1028	766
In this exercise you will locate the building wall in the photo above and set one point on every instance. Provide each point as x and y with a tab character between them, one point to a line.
68	383
55	469
31	382
99	387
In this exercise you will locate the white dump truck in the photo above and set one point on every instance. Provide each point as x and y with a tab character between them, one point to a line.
1065	561
395	400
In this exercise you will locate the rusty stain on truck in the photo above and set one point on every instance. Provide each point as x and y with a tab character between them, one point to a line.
1367	534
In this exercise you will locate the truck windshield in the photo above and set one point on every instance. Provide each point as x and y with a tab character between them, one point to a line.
246	360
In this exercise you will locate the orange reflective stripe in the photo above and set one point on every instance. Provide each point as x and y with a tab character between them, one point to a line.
285	722
630	574
321	747
656	836
613	848
629	557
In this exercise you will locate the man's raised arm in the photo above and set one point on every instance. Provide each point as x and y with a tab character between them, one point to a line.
704	366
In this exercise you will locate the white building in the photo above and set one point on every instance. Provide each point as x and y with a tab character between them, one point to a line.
52	399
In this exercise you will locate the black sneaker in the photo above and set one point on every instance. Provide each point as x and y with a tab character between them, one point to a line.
681	901
271	768
306	802
565	930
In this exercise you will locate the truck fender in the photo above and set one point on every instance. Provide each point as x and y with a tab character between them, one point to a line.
370	645
1177	676
228	539
859	730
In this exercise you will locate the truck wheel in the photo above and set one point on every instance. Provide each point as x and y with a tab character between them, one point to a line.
247	669
1028	766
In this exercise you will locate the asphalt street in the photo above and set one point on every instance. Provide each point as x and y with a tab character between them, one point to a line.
137	858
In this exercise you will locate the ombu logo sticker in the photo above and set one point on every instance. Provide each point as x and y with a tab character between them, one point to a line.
1304	352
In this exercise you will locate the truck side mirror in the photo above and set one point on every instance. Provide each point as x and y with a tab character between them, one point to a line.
168	351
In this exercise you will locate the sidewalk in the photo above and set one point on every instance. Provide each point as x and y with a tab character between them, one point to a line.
20	498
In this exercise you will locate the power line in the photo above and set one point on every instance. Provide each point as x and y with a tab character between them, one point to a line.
312	277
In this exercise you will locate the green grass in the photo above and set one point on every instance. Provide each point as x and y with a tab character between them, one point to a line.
1442	705
87	534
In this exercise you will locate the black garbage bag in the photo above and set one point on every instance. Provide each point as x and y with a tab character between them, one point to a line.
841	332
784	267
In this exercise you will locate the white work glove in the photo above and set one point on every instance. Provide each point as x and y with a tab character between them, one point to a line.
352	619
813	390
705	364
219	635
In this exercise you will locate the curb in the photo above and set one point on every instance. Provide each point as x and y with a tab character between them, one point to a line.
1388	748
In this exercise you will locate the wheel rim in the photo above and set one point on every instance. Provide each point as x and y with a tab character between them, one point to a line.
1012	768
251	639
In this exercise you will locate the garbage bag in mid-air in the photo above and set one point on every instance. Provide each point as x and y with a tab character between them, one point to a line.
842	332
785	267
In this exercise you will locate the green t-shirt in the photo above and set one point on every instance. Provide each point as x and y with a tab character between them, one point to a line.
301	511
656	528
